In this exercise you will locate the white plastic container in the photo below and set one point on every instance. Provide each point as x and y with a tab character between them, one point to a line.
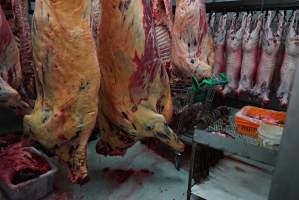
33	189
269	135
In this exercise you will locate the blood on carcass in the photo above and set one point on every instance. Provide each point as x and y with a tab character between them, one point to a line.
135	94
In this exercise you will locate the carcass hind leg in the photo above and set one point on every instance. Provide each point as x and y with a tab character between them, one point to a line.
74	154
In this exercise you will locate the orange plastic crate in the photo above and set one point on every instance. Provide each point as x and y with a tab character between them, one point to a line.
249	118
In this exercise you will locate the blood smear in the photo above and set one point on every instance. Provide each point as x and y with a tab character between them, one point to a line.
120	176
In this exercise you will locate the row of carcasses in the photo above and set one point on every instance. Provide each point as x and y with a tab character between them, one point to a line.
251	48
100	61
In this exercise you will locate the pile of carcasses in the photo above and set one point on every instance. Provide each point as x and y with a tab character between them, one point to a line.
250	48
99	62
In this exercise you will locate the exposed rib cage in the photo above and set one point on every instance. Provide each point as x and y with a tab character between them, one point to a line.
163	43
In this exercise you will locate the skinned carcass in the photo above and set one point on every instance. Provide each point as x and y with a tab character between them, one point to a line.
10	68
219	41
271	43
68	79
162	13
234	53
290	62
135	91
21	18
192	45
250	47
95	16
212	19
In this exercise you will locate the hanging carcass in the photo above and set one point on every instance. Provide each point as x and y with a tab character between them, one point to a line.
135	92
192	45
68	79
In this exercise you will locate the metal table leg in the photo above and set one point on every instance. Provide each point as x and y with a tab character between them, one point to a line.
194	144
177	160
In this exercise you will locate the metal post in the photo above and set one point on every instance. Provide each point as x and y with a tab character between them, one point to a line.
286	177
194	144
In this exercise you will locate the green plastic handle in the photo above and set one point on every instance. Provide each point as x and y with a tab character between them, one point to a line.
200	95
220	80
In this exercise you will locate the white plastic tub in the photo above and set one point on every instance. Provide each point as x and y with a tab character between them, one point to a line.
269	135
32	189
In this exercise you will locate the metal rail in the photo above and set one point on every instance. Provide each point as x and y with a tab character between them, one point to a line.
252	5
249	5
241	5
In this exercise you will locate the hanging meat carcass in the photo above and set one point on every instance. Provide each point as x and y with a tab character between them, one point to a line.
192	46
10	68
271	43
21	18
95	16
219	41
212	18
8	11
234	52
290	62
162	13
135	92
250	47
68	82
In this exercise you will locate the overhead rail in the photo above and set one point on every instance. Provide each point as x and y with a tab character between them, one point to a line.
252	5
